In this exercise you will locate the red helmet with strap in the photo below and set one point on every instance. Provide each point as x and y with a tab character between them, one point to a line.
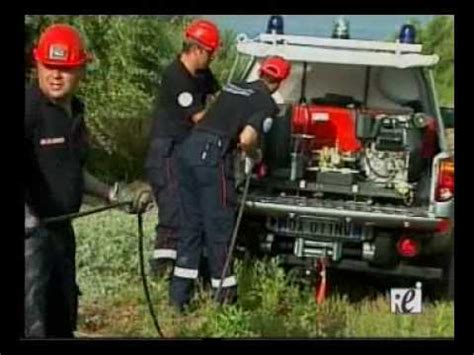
62	46
276	67
205	33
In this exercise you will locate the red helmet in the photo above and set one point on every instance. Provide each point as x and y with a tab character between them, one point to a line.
276	67
205	33
61	45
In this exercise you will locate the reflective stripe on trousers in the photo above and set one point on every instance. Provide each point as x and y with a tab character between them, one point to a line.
228	282
185	273
164	254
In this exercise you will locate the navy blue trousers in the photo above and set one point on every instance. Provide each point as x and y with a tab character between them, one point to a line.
161	171
207	213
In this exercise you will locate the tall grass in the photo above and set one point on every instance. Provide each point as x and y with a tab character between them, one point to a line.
272	304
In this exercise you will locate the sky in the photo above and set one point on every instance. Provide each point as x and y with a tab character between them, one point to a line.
361	26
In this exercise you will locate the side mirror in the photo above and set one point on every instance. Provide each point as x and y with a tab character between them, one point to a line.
447	114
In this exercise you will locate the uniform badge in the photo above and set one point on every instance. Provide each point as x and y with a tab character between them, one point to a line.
185	99
267	124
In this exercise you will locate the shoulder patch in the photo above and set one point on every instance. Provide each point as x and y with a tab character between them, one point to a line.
267	124
185	99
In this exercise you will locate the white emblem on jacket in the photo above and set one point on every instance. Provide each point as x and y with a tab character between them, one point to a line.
267	124
185	99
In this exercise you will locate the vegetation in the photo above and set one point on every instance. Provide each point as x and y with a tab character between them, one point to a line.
438	37
271	303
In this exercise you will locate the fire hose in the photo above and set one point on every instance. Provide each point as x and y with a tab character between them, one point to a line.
141	237
70	216
234	232
140	249
320	291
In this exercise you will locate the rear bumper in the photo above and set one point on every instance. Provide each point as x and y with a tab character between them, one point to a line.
419	272
391	217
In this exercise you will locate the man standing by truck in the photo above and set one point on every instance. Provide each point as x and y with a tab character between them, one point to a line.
55	179
241	113
185	88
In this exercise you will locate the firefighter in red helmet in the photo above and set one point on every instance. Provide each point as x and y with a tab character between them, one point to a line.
186	86
55	179
241	112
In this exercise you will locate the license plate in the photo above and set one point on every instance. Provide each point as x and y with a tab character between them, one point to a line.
333	228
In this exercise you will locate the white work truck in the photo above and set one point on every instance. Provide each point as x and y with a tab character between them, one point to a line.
356	169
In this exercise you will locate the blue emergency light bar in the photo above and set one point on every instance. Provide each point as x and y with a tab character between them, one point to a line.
407	34
275	24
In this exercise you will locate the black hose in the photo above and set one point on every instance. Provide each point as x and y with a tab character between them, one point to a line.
70	216
234	236
144	278
140	249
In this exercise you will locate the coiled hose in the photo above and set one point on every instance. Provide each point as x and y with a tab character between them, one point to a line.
140	250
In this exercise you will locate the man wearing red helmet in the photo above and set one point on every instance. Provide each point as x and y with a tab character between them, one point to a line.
185	88
241	113
56	146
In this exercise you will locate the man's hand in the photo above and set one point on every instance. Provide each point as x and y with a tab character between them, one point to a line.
256	155
249	164
248	139
142	198
198	116
139	196
251	159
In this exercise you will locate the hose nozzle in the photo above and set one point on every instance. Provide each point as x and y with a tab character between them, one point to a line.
249	163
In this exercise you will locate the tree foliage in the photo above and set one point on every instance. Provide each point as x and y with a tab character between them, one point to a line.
437	36
130	54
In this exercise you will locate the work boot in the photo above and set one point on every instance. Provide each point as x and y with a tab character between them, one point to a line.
227	295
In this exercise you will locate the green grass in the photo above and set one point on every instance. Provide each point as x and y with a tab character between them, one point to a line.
271	304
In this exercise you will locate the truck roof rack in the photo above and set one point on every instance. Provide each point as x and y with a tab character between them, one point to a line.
336	51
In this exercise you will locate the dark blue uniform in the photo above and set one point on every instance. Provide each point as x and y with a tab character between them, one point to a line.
206	179
55	146
180	96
